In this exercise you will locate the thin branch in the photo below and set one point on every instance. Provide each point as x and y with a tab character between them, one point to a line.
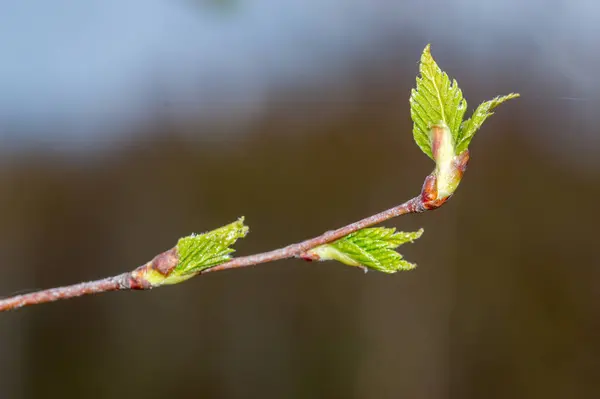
120	282
297	250
136	280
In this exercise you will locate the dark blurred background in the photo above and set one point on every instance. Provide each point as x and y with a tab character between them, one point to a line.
125	125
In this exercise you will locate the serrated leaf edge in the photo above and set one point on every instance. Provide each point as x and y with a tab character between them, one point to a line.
387	240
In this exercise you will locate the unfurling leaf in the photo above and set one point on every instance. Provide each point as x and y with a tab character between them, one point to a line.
202	251
470	126
435	100
372	248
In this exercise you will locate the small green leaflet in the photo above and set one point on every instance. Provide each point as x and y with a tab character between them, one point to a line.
438	99
372	248
470	126
201	251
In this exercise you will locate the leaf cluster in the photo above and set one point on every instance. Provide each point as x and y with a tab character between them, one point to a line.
373	248
437	99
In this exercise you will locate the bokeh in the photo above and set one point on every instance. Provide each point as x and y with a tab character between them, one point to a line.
125	125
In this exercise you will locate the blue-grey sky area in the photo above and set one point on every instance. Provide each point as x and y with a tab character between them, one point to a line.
93	69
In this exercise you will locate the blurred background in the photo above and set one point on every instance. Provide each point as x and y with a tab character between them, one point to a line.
125	125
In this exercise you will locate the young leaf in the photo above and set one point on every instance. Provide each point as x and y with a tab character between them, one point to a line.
201	251
436	99
470	126
372	248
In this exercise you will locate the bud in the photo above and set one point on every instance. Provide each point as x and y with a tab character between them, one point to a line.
449	166
159	271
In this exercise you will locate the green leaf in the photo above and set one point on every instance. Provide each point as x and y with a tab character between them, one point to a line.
470	126
372	248
436	99
201	251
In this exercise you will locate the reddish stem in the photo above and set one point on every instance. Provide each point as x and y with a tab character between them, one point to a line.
298	249
132	281
120	282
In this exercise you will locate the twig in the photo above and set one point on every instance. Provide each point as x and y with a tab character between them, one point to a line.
427	200
299	249
437	110
120	282
165	262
